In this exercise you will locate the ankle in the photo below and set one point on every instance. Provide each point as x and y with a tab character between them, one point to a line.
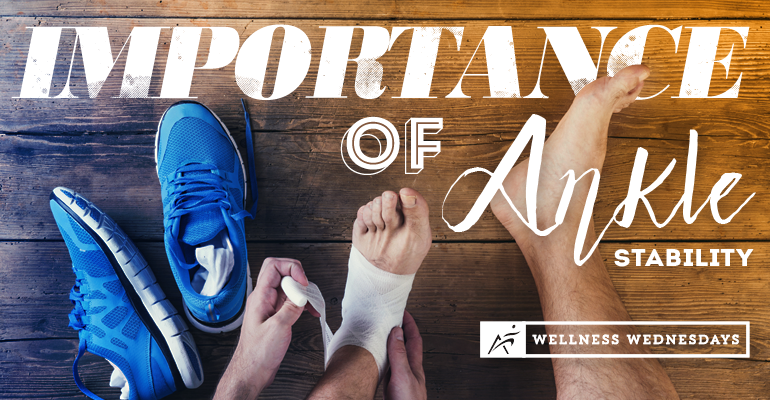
373	304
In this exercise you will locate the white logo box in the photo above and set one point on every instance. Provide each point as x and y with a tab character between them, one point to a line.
503	339
507	339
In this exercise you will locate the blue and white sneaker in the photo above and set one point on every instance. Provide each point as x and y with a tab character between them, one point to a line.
203	185
120	311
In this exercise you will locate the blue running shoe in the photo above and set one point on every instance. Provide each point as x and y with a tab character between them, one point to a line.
203	185
120	310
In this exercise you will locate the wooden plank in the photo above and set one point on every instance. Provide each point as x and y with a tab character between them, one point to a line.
458	285
397	9
301	176
662	116
42	369
39	277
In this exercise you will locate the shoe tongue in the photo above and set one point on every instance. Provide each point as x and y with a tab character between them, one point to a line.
201	226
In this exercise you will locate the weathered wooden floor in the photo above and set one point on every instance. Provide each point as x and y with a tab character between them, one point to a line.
103	148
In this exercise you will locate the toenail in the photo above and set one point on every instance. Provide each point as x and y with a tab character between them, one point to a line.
388	195
410	201
377	201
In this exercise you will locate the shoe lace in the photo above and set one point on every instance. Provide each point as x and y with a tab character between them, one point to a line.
78	317
200	187
80	320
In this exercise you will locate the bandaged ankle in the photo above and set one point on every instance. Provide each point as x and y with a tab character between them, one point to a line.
373	304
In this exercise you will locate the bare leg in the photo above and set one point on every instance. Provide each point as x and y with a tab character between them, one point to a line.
581	293
351	374
393	233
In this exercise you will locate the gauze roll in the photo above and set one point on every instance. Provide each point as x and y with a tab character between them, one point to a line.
372	306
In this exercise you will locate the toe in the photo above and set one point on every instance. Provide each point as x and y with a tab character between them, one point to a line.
390	212
629	81
414	207
359	227
367	217
377	213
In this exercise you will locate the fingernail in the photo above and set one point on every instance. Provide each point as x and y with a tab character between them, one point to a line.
409	201
399	334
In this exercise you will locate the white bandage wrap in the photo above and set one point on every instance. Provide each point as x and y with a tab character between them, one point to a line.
372	306
301	295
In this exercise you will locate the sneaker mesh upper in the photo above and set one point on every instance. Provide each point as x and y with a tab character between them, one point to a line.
90	262
192	140
107	324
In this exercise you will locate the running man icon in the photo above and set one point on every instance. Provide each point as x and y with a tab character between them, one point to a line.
508	338
503	339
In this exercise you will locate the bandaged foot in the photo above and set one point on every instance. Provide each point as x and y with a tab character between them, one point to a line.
391	237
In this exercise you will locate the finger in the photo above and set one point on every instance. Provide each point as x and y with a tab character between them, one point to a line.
288	314
399	363
266	290
413	345
262	303
274	269
281	298
386	385
284	299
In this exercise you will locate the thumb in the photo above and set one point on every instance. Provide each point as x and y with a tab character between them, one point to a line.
288	314
399	363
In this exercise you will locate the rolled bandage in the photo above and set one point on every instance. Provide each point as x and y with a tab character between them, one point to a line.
372	306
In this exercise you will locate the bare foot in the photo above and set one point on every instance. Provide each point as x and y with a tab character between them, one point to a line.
393	232
578	143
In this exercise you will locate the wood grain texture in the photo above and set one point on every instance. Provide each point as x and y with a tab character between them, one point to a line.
396	9
457	286
103	148
448	376
306	192
660	117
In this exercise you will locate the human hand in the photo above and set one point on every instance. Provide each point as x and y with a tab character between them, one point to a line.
266	332
407	378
